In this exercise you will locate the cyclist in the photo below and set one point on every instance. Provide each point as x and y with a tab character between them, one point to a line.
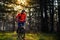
21	19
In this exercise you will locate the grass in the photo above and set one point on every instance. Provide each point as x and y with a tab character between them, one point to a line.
29	36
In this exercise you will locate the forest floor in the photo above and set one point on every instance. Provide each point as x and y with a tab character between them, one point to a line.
29	36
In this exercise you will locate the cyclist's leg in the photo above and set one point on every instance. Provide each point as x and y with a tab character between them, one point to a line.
23	36
23	31
18	30
18	37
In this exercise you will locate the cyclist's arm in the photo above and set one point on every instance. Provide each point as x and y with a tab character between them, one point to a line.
17	17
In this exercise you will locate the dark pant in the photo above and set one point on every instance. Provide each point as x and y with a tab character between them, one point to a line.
20	24
20	28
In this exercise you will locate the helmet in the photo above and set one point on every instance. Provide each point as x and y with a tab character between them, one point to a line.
23	10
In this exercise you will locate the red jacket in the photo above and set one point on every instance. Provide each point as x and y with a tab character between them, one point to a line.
22	17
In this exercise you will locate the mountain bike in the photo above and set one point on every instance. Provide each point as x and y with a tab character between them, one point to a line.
21	33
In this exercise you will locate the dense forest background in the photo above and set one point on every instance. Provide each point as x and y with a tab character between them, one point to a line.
42	15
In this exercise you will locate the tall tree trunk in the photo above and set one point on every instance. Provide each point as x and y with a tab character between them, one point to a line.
58	27
44	17
51	5
41	10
